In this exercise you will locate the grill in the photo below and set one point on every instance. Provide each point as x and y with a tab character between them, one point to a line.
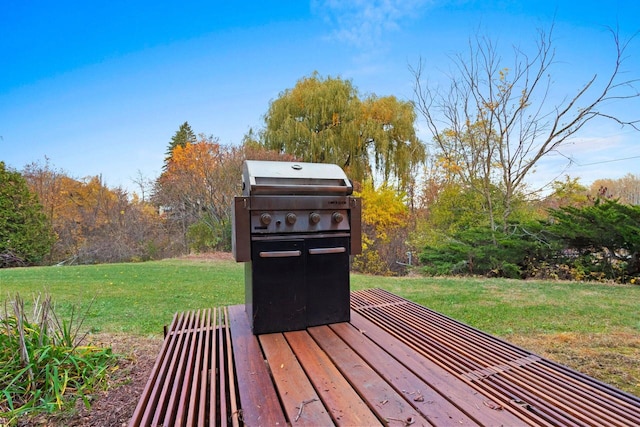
295	226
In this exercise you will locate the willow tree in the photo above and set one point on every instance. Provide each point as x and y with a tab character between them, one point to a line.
508	110
326	121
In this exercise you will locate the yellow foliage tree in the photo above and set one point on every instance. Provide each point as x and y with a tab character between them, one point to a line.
94	223
384	227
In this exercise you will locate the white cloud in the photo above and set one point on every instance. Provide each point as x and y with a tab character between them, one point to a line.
589	158
365	23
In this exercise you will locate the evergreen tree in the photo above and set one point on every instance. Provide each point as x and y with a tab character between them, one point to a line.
25	234
182	136
606	234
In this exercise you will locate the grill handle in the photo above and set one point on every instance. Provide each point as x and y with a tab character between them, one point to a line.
280	254
324	251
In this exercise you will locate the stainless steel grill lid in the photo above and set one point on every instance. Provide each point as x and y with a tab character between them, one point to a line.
294	178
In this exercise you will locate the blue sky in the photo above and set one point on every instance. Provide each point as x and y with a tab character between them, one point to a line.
101	87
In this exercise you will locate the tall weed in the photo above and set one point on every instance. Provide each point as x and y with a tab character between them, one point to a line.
44	365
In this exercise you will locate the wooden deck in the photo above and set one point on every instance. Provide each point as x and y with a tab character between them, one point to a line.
395	363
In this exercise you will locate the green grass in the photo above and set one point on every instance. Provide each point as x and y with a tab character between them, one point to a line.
504	307
594	328
142	298
131	298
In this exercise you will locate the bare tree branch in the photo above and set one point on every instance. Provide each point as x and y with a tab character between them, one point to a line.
495	123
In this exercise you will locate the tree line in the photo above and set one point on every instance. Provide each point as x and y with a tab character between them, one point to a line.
49	217
459	203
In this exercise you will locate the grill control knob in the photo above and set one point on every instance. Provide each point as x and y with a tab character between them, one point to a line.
314	217
265	219
337	217
291	218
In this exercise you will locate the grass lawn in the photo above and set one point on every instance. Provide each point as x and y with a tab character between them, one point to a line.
594	328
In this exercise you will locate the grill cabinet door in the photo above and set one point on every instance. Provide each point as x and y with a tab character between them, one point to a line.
276	294
327	279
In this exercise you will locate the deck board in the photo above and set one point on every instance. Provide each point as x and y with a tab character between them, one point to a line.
294	387
457	395
258	397
438	389
536	390
344	404
394	363
386	402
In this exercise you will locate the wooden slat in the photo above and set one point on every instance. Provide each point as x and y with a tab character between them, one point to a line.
395	363
235	413
222	395
529	386
185	375
156	405
213	390
390	405
446	357
258	397
178	371
197	415
345	406
299	399
468	400
147	401
186	386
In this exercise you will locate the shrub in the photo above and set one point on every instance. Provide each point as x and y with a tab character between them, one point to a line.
479	250
602	240
43	366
